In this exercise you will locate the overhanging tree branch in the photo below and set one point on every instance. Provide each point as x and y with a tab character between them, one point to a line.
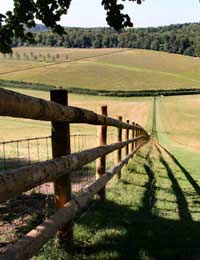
15	23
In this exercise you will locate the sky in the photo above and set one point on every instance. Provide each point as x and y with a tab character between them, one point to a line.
90	13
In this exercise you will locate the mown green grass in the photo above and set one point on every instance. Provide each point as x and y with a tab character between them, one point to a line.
151	213
178	125
109	69
178	118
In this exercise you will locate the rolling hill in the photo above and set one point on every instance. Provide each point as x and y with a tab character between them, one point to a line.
104	69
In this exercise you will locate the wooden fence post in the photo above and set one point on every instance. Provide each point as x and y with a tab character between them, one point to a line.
119	152
62	186
140	133
127	137
101	162
133	136
136	135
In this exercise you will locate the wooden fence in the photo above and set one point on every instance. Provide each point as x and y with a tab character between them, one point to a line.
58	170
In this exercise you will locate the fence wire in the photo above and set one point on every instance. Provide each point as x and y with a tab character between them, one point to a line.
18	153
21	214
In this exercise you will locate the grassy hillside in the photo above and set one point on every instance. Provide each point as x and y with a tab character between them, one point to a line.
110	69
153	211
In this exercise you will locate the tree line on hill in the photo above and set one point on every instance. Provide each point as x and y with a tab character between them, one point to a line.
180	38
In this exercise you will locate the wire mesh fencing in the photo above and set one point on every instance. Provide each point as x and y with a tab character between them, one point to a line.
18	153
21	214
18	215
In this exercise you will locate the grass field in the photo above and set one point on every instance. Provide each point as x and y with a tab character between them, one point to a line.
110	69
178	123
179	119
152	213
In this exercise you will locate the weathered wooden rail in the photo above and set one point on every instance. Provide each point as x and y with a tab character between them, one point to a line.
58	170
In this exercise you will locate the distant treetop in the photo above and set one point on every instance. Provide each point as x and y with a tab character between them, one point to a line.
14	23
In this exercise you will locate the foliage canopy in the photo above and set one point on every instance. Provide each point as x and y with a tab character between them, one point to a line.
16	22
178	38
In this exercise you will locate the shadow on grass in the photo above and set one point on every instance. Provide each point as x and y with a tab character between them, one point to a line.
184	212
149	198
185	172
136	235
123	233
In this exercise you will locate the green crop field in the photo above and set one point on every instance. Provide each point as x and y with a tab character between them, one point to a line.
105	69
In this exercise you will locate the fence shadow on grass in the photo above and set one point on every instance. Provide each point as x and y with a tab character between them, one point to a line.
184	171
123	233
149	197
183	210
136	235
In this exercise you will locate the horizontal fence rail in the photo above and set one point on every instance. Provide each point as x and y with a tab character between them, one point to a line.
14	104
29	245
14	182
63	166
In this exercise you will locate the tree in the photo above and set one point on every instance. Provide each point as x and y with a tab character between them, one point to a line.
18	22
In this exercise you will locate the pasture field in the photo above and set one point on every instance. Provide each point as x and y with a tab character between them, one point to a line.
105	69
178	124
179	119
153	211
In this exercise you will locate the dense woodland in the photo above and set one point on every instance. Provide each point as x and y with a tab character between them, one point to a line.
180	38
